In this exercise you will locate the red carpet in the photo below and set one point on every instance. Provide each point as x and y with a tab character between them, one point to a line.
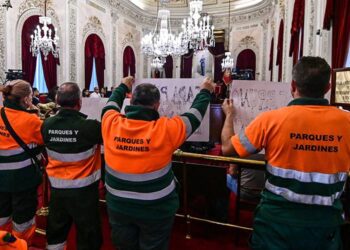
204	236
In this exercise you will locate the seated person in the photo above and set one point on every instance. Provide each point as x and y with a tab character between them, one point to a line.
252	182
86	93
36	94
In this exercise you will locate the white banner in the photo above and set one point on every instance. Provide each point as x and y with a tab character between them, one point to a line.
176	97
250	98
92	107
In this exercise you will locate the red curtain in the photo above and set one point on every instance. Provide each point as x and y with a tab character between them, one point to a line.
186	65
168	67
279	57
129	62
271	60
28	60
338	15
247	60
94	49
219	53
50	70
296	43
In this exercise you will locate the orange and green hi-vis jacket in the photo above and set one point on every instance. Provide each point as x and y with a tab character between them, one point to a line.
307	149
17	171
73	147
138	153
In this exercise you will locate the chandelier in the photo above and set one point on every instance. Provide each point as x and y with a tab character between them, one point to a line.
196	29
227	62
7	4
161	42
157	63
42	39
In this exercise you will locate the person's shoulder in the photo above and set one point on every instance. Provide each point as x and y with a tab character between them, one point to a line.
91	122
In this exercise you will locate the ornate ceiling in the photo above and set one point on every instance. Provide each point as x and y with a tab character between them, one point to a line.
180	7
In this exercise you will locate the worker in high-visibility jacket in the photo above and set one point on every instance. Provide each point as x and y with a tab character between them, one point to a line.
10	242
19	177
307	149
74	170
141	189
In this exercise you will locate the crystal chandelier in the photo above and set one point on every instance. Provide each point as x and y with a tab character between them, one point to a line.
42	39
7	4
196	29
157	63
162	43
227	62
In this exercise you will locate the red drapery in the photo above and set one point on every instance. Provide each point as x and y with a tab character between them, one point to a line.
219	53
279	57
168	67
94	49
186	65
338	15
271	60
129	62
50	70
247	60
29	61
296	43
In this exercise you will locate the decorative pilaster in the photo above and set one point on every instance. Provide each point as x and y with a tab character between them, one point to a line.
2	45
72	41
114	46
264	56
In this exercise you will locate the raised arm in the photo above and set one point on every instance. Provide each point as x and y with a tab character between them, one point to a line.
116	100
195	114
228	130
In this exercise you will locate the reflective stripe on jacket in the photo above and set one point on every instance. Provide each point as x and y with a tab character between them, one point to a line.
17	172
307	148
138	154
73	149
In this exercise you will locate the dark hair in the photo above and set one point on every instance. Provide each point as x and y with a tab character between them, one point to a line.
68	95
145	94
51	96
311	75
83	92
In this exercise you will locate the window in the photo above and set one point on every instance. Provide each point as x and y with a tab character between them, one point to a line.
39	78
93	82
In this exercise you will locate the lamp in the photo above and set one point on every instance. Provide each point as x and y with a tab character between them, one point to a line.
157	63
162	42
42	39
7	4
196	29
227	62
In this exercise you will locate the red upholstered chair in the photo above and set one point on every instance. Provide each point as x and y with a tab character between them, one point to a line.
43	99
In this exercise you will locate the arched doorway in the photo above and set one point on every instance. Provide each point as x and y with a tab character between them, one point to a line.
168	67
186	65
94	61
246	63
29	62
129	62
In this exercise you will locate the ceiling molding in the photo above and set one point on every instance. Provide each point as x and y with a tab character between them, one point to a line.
147	19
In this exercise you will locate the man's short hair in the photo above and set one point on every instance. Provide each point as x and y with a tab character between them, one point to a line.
68	95
145	94
311	75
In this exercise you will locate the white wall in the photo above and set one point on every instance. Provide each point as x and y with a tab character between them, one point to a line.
123	25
